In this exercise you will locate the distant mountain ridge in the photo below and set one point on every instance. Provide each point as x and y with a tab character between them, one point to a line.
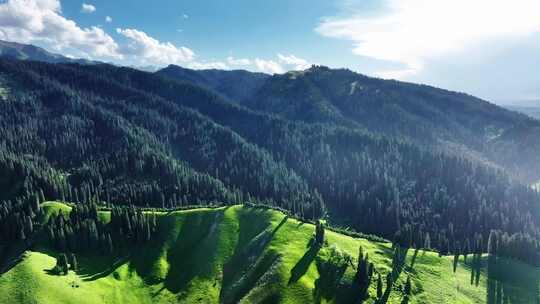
317	142
19	51
103	133
234	85
454	122
532	111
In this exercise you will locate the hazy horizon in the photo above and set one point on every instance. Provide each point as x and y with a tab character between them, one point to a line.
488	53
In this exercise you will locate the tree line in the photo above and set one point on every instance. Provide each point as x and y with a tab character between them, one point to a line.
94	134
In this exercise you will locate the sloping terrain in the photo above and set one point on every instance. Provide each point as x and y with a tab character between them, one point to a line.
94	133
251	255
455	122
532	111
233	85
19	51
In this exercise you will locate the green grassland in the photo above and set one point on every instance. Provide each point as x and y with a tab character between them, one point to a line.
250	255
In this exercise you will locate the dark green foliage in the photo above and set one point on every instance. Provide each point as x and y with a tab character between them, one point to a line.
82	231
73	265
492	242
236	85
331	270
408	286
460	123
427	242
389	284
62	265
102	134
379	286
456	260
364	273
18	219
319	234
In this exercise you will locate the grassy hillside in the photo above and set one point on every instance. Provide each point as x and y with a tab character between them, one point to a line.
249	255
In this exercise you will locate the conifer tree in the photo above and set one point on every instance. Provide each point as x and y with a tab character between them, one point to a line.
408	286
319	233
427	242
62	264
492	243
73	265
379	286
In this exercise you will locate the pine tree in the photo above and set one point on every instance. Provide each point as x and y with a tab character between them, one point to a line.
62	264
389	284
319	233
427	242
73	262
110	247
492	243
379	286
456	260
408	286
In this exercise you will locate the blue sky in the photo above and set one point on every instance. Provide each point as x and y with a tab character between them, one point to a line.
488	48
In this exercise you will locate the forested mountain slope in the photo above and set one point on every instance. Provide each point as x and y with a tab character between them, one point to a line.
532	111
241	254
92	133
234	85
454	122
19	51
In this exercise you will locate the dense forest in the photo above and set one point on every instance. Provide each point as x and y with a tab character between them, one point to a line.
106	135
453	122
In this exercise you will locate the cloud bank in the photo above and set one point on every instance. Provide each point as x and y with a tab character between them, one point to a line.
414	32
153	51
31	20
41	21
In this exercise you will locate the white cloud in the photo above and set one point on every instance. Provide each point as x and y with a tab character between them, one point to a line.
209	65
108	19
268	66
295	62
271	66
413	32
41	20
88	8
238	61
151	51
185	16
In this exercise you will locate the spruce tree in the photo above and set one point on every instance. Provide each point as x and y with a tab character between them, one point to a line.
427	242
492	243
319	233
62	264
73	265
379	286
408	286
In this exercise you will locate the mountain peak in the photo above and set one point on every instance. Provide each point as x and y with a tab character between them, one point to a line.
20	51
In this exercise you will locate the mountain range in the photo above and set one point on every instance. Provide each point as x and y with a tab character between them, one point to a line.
19	51
453	122
97	161
398	160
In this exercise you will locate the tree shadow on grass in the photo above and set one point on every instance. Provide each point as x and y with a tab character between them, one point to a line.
302	265
249	263
143	261
105	273
398	261
10	256
334	289
510	281
194	252
405	300
413	259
